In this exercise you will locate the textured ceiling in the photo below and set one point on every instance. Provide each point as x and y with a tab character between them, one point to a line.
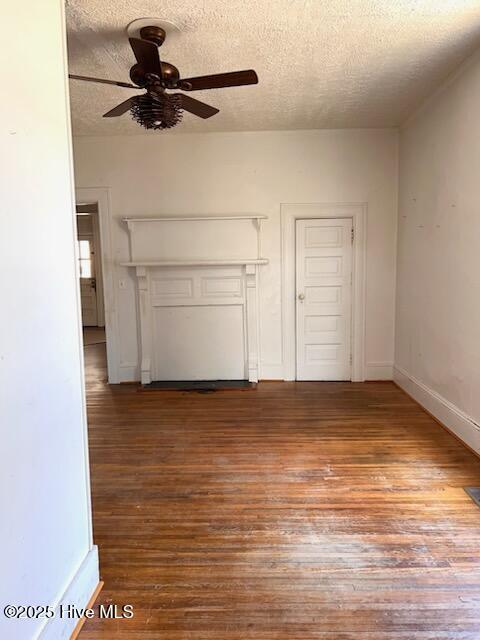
321	63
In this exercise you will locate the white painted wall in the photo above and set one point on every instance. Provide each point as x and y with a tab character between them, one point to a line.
230	173
45	528
438	289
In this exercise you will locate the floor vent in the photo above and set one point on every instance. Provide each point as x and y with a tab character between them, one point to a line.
474	493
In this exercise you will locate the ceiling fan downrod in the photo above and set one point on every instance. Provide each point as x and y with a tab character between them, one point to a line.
154	34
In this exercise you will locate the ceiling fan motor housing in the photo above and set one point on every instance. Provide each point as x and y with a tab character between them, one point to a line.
170	75
138	75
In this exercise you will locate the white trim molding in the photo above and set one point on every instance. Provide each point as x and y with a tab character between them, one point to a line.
101	197
456	420
289	214
194	263
77	594
271	371
252	216
129	372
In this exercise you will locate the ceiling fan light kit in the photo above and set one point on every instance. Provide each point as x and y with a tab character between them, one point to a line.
152	113
157	109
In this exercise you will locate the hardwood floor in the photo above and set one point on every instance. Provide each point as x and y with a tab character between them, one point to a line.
93	335
295	511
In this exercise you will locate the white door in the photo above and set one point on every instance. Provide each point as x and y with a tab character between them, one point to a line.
324	298
88	286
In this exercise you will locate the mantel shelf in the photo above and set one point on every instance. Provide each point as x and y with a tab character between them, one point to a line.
194	263
194	218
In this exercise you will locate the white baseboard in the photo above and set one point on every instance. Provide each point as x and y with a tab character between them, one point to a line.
129	372
447	413
271	371
379	371
78	593
373	371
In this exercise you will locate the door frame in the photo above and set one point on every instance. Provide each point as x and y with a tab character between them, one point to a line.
101	197
289	213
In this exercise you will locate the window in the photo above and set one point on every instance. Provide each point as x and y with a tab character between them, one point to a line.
85	258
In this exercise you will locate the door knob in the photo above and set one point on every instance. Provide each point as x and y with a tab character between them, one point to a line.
301	296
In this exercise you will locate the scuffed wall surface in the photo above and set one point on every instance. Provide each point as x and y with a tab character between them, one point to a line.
438	288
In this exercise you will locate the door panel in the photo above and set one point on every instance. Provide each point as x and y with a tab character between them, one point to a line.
88	292
324	283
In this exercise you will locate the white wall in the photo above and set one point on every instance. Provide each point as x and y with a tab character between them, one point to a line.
45	528
438	290
229	173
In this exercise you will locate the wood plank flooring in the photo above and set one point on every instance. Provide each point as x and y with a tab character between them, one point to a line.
297	511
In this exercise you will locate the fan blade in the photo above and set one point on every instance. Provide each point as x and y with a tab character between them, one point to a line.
147	56
119	110
102	81
196	107
219	80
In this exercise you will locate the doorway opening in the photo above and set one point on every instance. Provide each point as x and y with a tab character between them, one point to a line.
102	319
91	274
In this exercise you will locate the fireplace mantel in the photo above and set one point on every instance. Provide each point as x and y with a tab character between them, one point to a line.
195	262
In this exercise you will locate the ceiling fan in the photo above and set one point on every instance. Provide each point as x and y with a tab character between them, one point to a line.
157	109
